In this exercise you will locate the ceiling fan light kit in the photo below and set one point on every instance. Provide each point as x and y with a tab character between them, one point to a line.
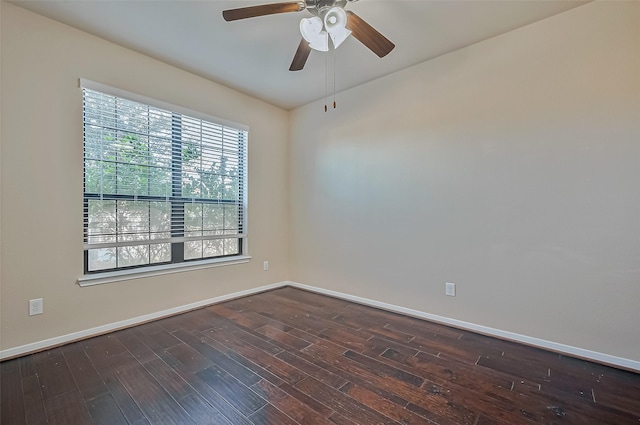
312	32
316	31
330	20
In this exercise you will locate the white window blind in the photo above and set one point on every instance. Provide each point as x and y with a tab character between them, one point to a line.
160	185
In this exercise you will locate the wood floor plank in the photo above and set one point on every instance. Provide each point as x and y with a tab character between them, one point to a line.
201	412
33	404
172	323
156	404
342	403
248	319
385	406
232	390
67	408
362	319
300	308
458	372
170	381
54	373
291	341
338	419
84	373
555	404
231	330
378	345
362	365
388	388
537	407
520	369
289	356
135	346
434	403
103	346
304	412
510	350
289	314
150	327
270	415
11	393
123	399
443	401
311	369
628	402
616	389
257	370
198	320
443	348
214	399
457	382
265	359
27	366
162	339
100	350
105	411
218	358
388	334
158	342
192	360
384	368
437	403
348	338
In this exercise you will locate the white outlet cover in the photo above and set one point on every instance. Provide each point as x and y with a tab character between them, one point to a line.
450	289
36	306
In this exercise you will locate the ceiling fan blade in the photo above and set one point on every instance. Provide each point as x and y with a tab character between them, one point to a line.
262	10
301	56
367	35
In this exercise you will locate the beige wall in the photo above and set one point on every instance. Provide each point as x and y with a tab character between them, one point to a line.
511	167
42	181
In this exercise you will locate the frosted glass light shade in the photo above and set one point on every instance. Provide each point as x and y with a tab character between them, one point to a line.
312	32
335	22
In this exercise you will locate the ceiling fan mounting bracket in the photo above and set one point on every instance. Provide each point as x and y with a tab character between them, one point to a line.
318	7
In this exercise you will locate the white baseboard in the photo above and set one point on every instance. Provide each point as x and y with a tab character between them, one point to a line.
536	342
88	333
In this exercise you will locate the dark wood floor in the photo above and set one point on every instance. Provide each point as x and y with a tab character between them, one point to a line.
292	357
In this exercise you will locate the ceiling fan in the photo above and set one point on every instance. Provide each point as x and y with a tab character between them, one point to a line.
329	21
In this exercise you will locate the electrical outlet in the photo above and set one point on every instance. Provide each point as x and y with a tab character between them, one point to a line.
450	289
265	265
36	306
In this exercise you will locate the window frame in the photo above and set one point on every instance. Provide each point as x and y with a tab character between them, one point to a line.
177	262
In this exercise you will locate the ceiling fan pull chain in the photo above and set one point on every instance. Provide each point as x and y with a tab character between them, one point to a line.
334	78
325	81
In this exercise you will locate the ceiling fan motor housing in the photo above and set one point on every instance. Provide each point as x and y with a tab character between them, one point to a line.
321	7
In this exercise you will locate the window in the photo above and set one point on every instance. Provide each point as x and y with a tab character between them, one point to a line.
161	185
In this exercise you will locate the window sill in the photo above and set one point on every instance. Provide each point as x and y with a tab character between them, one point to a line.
120	275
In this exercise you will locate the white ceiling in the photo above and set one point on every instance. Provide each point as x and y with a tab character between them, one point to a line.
253	55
